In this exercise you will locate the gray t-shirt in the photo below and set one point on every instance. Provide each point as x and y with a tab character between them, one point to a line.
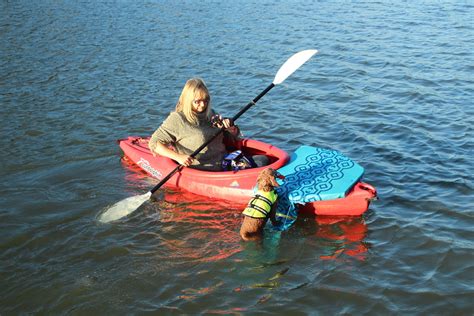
186	138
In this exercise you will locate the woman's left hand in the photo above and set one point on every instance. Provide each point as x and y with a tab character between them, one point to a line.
230	127
227	122
219	122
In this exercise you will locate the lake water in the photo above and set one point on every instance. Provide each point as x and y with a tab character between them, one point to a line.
392	88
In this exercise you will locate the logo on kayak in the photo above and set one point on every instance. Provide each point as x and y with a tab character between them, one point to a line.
148	168
235	184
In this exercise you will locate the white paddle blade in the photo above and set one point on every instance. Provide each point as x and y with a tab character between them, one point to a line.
293	63
123	208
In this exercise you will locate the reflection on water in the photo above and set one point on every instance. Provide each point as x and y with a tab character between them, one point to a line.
342	237
199	237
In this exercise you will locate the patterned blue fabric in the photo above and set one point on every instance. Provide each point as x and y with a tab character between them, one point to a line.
313	174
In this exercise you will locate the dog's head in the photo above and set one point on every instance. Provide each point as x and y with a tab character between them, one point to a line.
266	179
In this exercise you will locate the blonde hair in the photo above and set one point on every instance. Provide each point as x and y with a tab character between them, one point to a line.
194	89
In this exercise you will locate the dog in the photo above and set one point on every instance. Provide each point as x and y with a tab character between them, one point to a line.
262	206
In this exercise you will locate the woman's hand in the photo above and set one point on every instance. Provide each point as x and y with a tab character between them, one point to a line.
165	151
219	122
184	160
227	122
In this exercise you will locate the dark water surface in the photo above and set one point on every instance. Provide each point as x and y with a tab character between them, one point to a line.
392	88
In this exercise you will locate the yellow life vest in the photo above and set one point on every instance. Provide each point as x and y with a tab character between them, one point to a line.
261	204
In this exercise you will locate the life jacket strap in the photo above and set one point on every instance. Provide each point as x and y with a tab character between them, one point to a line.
259	209
264	199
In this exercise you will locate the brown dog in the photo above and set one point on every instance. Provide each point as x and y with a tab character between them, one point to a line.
262	206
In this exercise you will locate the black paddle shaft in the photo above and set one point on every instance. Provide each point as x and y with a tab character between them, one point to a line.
222	129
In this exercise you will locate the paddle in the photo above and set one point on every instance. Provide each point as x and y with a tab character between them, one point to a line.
128	205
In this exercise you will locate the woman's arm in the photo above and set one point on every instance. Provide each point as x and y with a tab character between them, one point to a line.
165	151
166	134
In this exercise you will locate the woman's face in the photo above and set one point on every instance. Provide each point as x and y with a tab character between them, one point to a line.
200	103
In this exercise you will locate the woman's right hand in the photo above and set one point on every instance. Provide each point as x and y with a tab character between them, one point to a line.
184	160
163	150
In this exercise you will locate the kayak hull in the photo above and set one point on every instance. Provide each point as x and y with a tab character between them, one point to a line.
355	203
238	186
226	185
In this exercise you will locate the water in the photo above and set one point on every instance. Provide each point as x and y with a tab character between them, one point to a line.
392	88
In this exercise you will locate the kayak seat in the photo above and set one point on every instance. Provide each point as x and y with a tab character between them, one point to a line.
260	157
261	160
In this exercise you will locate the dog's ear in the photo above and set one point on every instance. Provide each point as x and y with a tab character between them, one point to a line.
264	179
274	182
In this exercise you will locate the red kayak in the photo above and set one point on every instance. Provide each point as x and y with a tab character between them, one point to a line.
238	186
226	185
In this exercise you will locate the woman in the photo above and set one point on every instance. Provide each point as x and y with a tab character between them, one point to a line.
190	126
